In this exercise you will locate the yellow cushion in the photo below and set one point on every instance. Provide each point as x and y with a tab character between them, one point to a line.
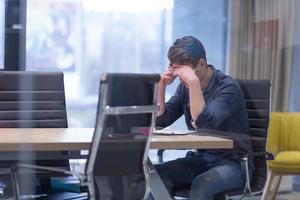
284	132
286	161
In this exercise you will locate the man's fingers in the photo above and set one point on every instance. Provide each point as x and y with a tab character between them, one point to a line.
176	72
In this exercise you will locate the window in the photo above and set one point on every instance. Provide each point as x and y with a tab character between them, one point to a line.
84	38
2	17
195	17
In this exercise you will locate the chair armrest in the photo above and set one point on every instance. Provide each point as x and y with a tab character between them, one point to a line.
247	174
269	156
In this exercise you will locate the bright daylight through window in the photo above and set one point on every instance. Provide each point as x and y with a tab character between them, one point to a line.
84	38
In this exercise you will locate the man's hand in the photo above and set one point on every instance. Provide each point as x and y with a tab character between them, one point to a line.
186	74
167	78
189	78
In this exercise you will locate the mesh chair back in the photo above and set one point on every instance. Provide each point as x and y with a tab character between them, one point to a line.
125	120
257	98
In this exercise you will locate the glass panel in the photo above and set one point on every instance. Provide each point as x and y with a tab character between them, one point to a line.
195	17
2	17
86	38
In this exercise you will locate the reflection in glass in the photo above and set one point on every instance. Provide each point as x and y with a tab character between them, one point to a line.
84	38
52	34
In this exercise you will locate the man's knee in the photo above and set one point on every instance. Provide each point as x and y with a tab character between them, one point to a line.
205	186
216	180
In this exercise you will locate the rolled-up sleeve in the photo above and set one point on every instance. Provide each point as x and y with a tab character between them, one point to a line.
226	101
174	109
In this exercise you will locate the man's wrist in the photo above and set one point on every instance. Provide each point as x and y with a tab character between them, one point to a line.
193	123
194	82
161	85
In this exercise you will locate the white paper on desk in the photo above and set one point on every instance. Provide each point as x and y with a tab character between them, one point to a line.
173	132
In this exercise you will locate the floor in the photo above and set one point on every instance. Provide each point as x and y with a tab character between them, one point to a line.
173	154
284	196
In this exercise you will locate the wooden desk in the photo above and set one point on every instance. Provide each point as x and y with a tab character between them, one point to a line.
190	142
68	139
72	139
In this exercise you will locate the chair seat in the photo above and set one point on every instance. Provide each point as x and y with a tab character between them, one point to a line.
287	161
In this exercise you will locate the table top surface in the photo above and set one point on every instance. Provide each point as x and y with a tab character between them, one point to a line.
61	139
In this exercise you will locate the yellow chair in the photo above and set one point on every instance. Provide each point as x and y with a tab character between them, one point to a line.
284	144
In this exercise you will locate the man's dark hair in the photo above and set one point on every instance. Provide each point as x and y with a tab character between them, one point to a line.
187	50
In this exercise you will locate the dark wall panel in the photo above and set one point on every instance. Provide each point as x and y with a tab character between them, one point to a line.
15	35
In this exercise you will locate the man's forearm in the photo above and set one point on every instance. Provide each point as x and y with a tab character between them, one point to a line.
161	98
197	102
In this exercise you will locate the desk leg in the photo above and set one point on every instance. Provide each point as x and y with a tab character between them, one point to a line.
158	189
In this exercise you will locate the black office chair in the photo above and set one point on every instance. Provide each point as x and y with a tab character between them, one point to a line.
33	100
257	98
257	94
117	164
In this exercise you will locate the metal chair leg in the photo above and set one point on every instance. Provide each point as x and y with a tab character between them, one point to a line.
15	185
158	189
160	153
247	184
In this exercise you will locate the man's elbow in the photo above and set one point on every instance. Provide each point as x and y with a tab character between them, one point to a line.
206	120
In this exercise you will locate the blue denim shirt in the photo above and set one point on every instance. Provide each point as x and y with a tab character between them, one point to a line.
225	110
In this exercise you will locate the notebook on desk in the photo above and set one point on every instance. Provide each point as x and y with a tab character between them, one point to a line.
173	132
